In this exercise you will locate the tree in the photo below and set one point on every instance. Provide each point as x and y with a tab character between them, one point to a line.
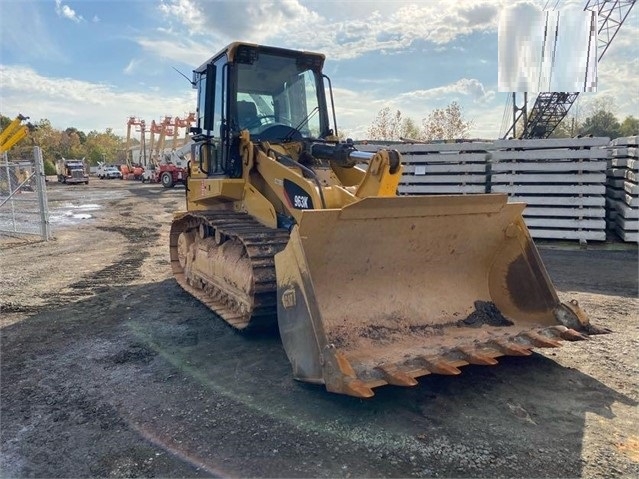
568	128
442	124
70	145
602	123
601	120
386	125
48	139
103	146
49	168
446	124
629	126
4	122
409	129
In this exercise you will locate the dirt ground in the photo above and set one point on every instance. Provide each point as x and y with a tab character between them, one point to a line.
109	369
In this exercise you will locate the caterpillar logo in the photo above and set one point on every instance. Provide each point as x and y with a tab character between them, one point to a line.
297	197
288	298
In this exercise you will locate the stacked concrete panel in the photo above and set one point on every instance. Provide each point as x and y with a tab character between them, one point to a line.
561	180
622	189
441	168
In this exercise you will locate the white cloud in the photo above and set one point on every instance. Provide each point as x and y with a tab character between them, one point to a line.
357	109
185	11
65	11
84	105
619	79
95	19
131	66
469	87
182	50
371	26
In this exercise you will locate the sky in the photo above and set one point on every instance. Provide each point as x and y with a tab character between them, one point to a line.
91	64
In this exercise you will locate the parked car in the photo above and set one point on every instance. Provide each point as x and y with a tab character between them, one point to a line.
109	172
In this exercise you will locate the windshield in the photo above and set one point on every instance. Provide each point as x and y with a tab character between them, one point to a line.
274	95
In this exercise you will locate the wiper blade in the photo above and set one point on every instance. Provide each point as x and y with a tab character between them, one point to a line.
302	123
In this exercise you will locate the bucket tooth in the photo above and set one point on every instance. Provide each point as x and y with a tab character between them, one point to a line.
394	376
540	341
472	357
357	388
572	335
437	366
344	365
511	349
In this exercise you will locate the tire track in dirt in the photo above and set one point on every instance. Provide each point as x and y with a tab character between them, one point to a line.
120	273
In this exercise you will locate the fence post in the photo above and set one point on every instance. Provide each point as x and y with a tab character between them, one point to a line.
41	188
10	190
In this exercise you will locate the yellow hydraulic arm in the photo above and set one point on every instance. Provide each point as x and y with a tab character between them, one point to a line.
13	133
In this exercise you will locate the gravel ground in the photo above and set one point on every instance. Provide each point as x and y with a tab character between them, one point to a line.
109	369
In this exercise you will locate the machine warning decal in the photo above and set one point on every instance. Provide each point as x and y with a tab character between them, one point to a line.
296	196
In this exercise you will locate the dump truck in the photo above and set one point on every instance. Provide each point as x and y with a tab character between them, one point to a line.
71	171
283	228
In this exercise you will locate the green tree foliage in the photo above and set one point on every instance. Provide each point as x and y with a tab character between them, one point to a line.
629	126
4	122
601	123
601	119
49	168
105	146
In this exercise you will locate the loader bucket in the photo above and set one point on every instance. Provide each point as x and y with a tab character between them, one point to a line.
389	289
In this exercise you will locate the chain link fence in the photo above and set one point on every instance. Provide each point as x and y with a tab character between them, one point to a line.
24	208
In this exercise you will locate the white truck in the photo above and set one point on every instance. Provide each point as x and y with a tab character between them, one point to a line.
109	172
72	171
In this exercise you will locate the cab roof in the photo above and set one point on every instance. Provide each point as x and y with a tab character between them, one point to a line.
233	50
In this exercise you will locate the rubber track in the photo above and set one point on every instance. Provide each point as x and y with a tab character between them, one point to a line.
260	243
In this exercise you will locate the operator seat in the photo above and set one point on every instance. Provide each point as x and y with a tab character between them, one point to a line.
246	113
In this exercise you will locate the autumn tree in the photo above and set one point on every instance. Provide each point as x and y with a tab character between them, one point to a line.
69	143
103	147
386	125
446	124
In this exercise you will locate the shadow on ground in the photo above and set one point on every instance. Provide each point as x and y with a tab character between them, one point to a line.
604	272
145	381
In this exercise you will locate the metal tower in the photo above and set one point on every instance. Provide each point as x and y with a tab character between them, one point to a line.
550	108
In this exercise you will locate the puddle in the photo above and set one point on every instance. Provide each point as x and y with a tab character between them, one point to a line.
71	214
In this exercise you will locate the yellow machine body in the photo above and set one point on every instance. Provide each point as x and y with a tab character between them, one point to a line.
367	287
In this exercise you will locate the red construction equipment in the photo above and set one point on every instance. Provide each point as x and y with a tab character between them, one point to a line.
130	170
168	168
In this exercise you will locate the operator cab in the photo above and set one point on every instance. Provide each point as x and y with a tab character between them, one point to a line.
276	94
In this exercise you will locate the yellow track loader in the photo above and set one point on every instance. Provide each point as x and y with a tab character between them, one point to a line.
287	225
